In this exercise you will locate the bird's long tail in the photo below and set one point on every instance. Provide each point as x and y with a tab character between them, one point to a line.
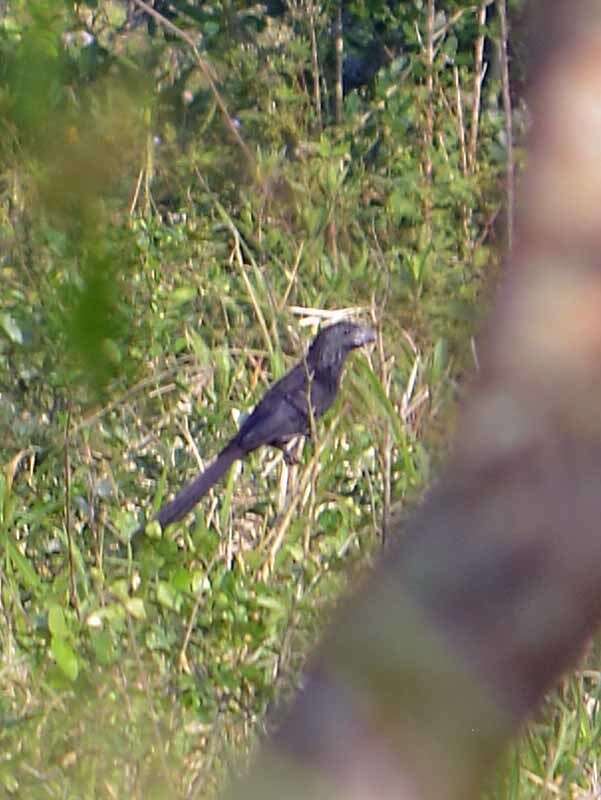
188	497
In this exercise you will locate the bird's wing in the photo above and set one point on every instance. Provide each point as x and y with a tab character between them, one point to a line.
281	414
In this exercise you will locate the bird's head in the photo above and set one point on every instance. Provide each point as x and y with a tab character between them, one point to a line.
331	345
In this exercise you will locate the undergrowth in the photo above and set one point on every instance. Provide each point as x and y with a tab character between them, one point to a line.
161	266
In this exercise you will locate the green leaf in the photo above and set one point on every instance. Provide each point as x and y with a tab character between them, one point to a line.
440	359
182	295
65	657
56	622
271	602
199	346
23	566
10	327
369	385
168	596
211	28
153	530
135	606
103	646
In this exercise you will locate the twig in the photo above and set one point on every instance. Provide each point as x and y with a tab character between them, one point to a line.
315	65
239	245
67	469
200	594
465	210
306	478
429	126
313	315
185	430
386	449
444	29
339	47
206	71
479	72
313	435
510	189
250	290
134	201
293	276
460	121
135	389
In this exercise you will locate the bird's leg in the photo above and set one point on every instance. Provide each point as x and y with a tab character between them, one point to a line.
287	449
290	457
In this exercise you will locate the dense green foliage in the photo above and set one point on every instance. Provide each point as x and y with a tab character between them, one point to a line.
169	216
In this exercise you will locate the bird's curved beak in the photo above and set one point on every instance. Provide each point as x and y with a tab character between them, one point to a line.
363	335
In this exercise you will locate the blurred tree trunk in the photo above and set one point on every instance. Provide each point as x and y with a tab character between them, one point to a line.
494	590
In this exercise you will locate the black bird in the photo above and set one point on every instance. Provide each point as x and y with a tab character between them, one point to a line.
283	413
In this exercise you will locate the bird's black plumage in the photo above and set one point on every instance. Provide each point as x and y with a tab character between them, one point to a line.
283	413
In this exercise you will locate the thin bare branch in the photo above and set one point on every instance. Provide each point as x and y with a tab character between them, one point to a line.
510	177
479	72
208	73
315	66
339	43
